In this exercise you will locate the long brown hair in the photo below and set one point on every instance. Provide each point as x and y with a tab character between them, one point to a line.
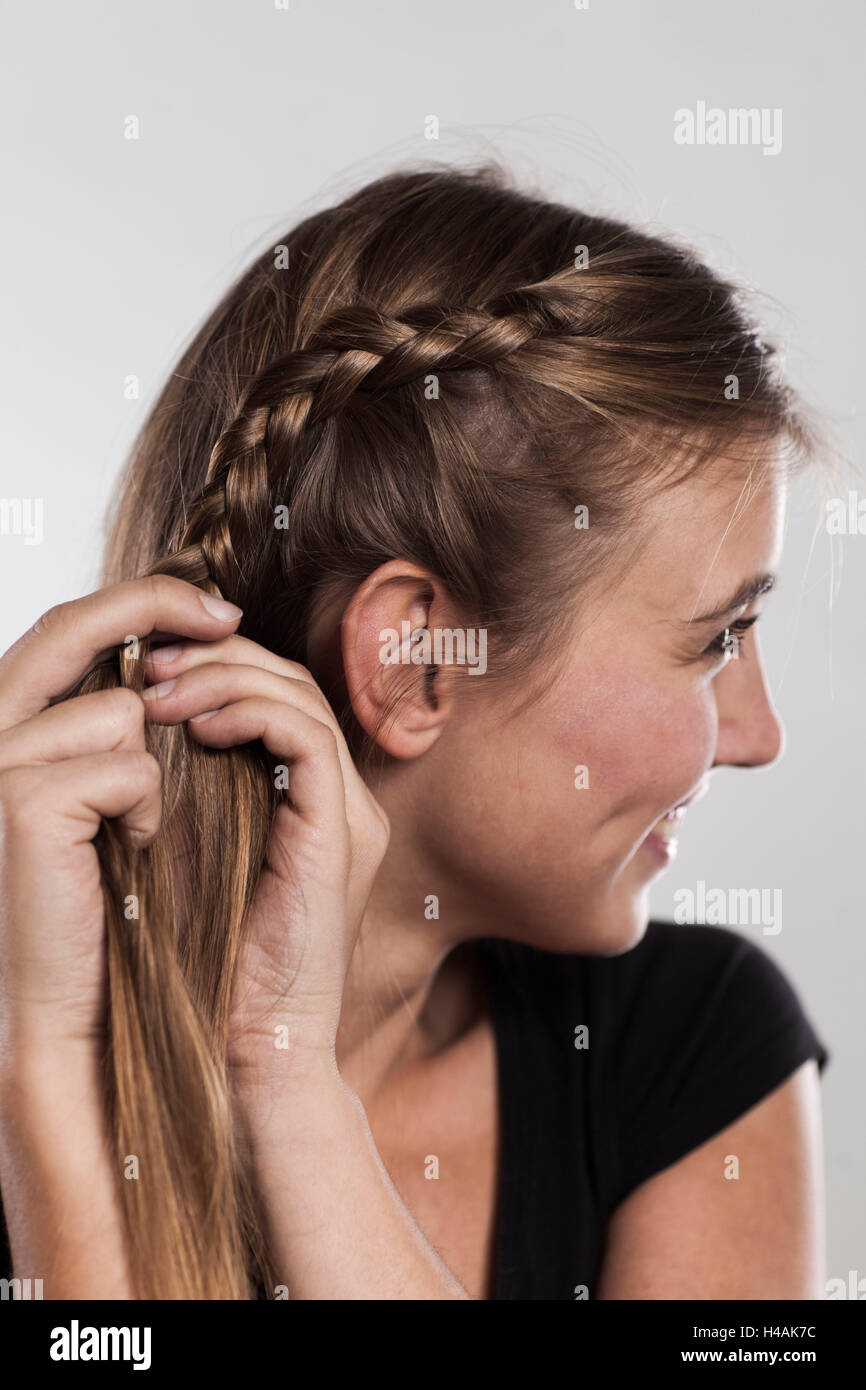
440	368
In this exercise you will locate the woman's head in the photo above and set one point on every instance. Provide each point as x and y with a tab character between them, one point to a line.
449	406
559	426
527	809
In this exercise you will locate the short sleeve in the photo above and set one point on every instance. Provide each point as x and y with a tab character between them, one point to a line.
709	1026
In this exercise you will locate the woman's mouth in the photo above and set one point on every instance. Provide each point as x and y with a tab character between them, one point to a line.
662	839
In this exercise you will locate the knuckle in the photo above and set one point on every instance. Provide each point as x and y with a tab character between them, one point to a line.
369	825
160	587
127	706
146	771
380	827
219	671
154	588
323	739
51	619
384	823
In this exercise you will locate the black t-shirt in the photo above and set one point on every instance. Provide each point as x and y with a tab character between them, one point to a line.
685	1033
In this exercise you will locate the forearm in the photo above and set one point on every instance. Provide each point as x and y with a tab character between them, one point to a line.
338	1228
57	1178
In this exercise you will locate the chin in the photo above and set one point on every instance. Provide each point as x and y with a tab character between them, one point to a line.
621	927
614	925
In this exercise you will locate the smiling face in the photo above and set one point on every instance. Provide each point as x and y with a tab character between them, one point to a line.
644	697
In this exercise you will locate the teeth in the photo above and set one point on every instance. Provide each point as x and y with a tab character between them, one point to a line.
667	827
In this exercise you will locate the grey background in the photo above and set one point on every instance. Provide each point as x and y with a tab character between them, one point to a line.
252	116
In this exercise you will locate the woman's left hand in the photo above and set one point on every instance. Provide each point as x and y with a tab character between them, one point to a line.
325	849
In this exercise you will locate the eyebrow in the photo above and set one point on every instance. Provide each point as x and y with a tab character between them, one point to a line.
749	590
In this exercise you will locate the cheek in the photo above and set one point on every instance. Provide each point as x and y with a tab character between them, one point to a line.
642	742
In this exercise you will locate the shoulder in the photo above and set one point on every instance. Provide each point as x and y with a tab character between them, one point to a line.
708	1024
673	973
718	1190
685	1033
740	1216
711	978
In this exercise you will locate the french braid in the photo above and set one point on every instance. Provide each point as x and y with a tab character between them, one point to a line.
356	350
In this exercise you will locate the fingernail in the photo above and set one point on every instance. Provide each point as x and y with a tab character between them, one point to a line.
156	692
218	608
197	718
167	653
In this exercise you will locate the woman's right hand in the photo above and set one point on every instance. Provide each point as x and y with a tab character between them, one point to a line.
63	767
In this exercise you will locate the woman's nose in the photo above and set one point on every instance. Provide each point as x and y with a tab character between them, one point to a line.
750	733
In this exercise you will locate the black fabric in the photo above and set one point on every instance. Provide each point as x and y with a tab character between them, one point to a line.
686	1032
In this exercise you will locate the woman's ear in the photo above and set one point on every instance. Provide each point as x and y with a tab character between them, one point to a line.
397	693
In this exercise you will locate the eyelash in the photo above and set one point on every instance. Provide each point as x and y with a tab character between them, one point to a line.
737	631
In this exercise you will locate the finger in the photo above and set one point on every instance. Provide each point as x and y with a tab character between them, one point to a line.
95	723
63	644
167	663
75	795
214	684
162	662
305	744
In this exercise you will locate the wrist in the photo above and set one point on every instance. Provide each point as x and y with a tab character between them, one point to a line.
308	1110
58	1165
267	1078
44	1069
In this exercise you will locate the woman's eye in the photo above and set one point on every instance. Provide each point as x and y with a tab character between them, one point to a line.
727	644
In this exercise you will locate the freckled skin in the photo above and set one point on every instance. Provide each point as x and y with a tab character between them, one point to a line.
489	817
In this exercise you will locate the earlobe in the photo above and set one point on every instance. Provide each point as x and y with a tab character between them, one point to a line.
396	696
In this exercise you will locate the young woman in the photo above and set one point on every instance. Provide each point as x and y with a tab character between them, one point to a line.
330	820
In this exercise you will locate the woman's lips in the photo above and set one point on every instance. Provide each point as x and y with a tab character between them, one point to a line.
662	839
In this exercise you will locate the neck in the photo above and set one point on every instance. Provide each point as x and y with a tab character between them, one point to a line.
410	991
